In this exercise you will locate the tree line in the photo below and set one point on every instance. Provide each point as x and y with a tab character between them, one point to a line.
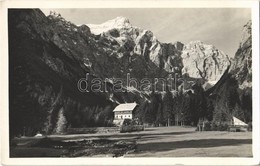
190	107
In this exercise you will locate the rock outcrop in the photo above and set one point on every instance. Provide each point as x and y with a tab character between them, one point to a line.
196	59
242	62
204	61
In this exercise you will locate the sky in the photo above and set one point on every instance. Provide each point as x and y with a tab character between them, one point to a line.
221	27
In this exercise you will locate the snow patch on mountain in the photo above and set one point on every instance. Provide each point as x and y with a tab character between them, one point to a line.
196	59
117	23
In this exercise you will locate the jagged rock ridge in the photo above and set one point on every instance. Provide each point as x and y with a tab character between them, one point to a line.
242	66
196	59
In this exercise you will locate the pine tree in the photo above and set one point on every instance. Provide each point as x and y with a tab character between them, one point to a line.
168	107
159	116
221	112
61	123
238	112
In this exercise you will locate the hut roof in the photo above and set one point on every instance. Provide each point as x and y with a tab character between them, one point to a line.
125	107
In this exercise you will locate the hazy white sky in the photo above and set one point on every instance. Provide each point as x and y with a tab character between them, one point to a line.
217	26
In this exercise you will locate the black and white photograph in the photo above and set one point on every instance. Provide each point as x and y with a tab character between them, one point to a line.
137	82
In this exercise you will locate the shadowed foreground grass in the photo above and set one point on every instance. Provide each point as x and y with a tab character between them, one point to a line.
153	142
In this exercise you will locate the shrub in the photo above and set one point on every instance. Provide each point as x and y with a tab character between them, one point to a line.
127	122
204	126
213	126
207	126
223	127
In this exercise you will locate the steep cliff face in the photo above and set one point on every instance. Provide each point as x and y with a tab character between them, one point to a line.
204	61
43	77
241	65
233	92
132	40
242	62
196	59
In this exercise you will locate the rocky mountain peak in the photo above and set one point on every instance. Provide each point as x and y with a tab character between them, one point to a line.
121	20
246	35
197	59
204	61
199	46
116	23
